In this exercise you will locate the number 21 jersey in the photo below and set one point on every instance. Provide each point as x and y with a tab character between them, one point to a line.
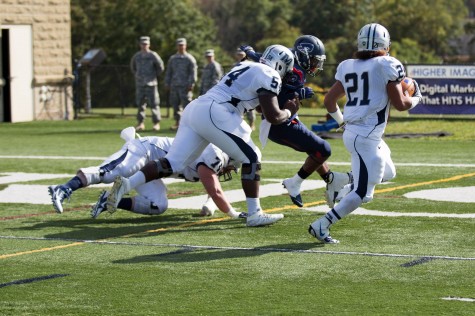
364	80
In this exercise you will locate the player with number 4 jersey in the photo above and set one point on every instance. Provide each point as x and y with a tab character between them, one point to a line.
371	83
216	117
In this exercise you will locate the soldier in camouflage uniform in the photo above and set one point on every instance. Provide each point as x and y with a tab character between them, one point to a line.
180	79
146	66
211	73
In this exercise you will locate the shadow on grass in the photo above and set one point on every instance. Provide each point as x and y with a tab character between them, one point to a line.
134	227
200	254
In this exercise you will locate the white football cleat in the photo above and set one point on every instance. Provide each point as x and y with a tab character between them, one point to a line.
100	206
337	181
119	189
261	219
344	192
208	208
294	191
57	197
321	231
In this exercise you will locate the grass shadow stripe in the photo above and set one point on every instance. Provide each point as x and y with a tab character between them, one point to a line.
31	280
417	262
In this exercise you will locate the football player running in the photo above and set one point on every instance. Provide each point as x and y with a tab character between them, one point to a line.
309	53
371	82
216	117
152	198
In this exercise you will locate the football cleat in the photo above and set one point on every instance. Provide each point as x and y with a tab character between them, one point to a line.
242	215
337	181
119	189
294	191
100	206
344	192
262	219
322	233
58	194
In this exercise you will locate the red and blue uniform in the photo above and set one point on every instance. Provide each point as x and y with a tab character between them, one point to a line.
293	133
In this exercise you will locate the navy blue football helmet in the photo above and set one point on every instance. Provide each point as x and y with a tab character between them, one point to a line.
309	54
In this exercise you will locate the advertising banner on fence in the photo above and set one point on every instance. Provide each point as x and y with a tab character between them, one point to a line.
446	89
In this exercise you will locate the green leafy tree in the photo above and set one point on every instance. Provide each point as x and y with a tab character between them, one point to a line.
115	26
432	24
249	21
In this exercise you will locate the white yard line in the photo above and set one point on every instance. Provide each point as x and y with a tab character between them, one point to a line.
298	162
462	299
362	211
38	194
260	249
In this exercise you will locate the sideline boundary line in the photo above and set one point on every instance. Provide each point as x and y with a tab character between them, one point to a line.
262	249
454	178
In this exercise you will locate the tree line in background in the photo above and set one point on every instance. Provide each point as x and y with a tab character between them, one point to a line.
421	31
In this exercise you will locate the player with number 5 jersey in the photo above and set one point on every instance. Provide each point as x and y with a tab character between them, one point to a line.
216	117
371	83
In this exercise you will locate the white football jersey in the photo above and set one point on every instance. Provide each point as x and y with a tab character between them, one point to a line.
367	108
241	85
213	157
137	152
155	147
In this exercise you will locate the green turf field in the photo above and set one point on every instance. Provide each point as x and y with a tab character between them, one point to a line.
179	263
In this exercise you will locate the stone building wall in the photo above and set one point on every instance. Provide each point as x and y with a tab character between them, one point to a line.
51	30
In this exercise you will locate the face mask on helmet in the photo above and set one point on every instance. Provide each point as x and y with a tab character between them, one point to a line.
226	173
279	58
373	37
310	54
316	65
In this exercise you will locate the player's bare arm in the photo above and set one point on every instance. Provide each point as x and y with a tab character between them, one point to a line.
397	97
334	94
211	183
270	107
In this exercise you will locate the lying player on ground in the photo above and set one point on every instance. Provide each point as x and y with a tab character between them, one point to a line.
216	117
152	198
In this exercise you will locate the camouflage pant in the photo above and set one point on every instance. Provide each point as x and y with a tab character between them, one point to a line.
179	99
144	95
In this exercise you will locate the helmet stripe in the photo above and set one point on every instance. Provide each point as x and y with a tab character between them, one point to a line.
373	35
368	36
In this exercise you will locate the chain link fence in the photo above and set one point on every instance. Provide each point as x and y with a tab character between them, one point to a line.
113	86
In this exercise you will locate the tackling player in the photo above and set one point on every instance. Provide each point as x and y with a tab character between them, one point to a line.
216	117
152	198
309	54
371	82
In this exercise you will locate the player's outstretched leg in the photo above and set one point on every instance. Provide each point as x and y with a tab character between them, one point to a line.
58	194
294	191
100	206
320	229
337	181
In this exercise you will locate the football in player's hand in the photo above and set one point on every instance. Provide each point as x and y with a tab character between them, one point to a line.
408	85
